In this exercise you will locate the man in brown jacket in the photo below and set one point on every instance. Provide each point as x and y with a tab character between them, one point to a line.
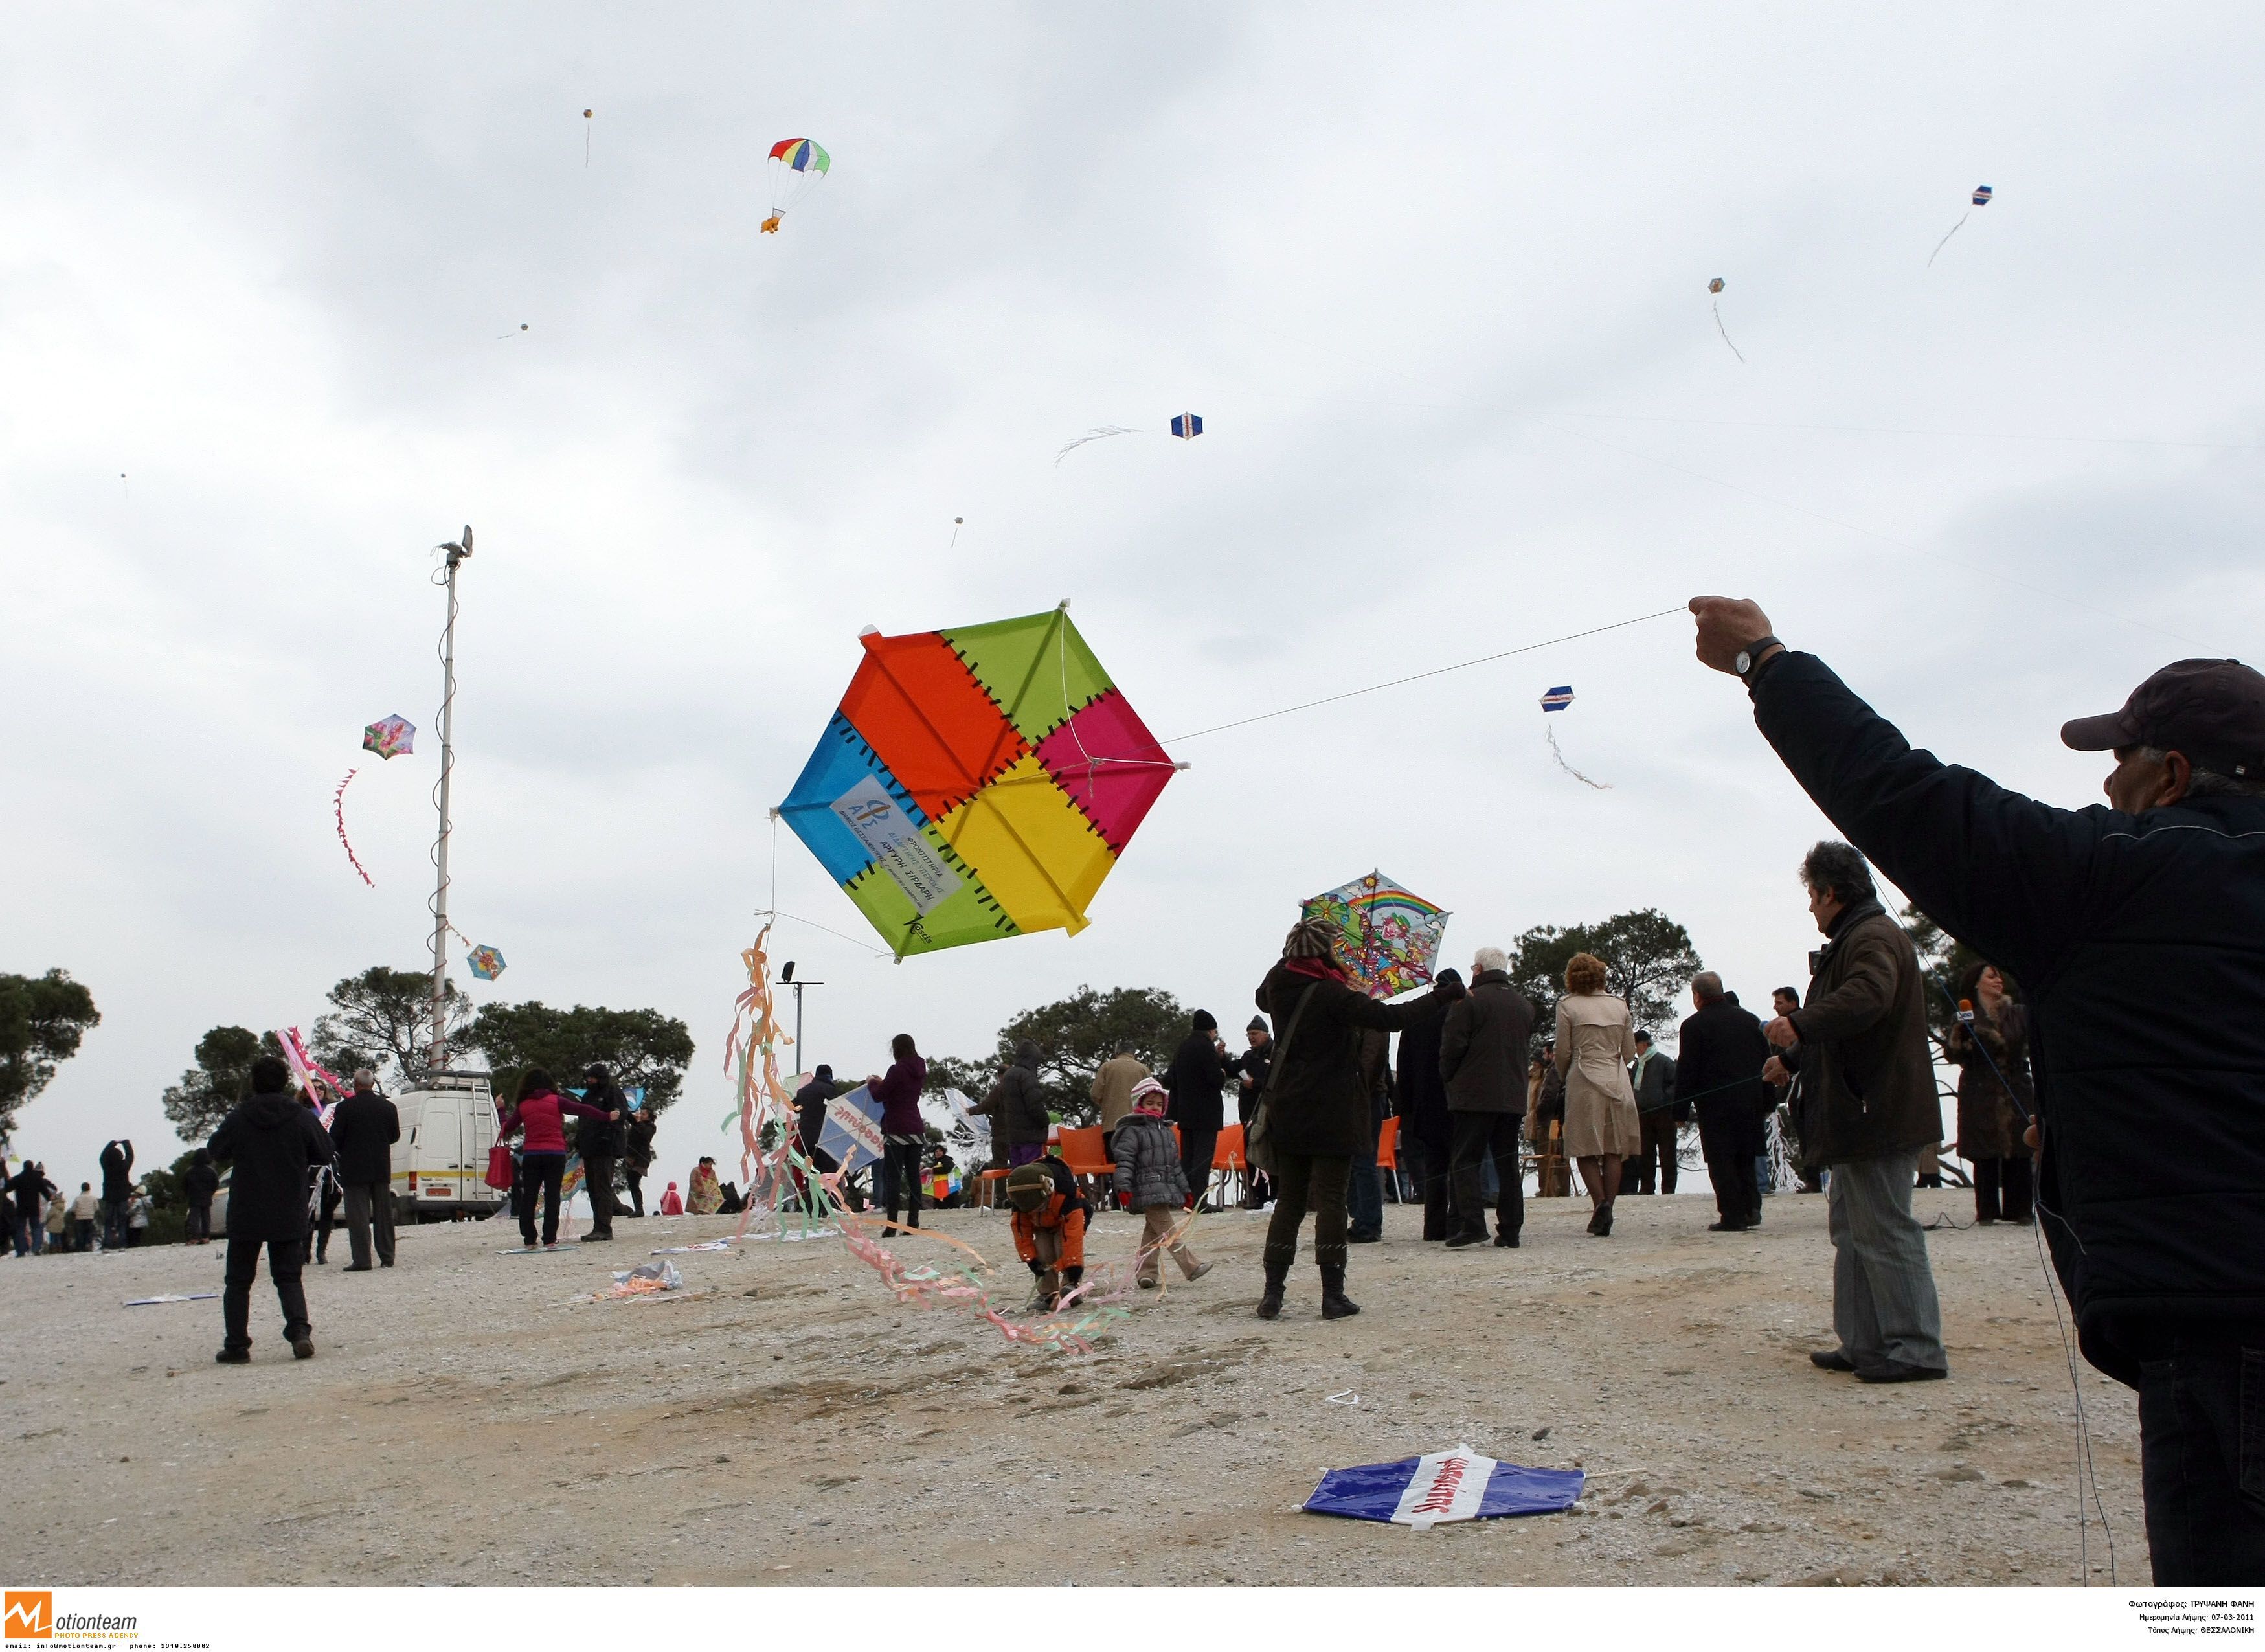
1112	1092
1868	1079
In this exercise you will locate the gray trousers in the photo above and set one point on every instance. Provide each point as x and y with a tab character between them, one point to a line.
364	1203
1883	1302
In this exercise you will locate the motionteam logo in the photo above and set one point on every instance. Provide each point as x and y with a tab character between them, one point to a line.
29	1614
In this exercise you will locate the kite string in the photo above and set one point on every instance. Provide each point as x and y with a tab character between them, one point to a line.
1484	659
1945	241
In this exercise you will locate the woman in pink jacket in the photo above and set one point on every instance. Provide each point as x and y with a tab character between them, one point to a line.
541	1112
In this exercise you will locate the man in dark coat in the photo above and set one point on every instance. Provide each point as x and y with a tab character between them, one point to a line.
199	1183
1426	1132
1196	1077
599	1141
273	1143
1317	1108
636	1157
1719	1069
1652	1076
1250	1071
810	1118
1482	1058
1017	1107
117	1163
363	1129
32	1189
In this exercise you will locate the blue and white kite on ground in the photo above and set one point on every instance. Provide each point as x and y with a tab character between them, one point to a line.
1441	1486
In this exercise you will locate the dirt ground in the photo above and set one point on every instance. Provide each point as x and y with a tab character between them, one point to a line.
462	1423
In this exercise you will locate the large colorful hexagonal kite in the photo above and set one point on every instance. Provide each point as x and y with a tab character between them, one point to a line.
977	783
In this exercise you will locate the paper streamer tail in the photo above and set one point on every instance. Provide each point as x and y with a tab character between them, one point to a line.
1945	241
339	811
1599	785
1725	331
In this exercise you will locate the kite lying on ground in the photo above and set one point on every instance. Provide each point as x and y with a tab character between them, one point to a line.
1441	1487
1387	937
977	783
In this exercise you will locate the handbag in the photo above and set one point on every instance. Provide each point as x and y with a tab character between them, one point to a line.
1259	1139
500	1176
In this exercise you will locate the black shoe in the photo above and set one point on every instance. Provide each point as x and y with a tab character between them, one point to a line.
597	1239
1364	1239
388	1262
1830	1359
1896	1370
358	1267
1505	1241
1148	1284
233	1356
1464	1241
1335	1305
1270	1305
321	1261
1718	1227
1602	1223
302	1347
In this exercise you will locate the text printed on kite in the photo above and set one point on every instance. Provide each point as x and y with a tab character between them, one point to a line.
978	782
797	166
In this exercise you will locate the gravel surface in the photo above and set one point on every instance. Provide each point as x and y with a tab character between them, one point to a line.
787	1422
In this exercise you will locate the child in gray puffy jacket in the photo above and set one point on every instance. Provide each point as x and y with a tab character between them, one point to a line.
1149	1180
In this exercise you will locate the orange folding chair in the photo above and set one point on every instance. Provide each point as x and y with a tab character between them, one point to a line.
1387	1156
1080	1151
1227	1163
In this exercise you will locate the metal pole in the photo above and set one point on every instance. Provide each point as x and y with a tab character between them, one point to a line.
799	1052
437	1056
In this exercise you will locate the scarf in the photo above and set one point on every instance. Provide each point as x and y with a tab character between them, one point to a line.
1317	969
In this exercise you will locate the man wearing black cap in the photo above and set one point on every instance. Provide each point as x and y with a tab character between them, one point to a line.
2139	930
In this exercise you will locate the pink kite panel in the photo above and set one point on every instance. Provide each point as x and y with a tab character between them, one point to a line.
1109	764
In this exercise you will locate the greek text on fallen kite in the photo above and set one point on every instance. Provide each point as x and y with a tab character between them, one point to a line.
896	844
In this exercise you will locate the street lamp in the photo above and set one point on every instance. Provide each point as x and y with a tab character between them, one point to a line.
786	978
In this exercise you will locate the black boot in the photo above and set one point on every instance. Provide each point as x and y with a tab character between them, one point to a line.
1270	1305
1335	1305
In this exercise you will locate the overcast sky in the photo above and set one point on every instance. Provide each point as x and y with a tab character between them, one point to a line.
1435	277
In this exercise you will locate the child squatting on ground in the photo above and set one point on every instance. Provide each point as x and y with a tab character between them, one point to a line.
1150	1180
1050	1220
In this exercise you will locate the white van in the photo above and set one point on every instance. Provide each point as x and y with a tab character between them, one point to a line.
441	1163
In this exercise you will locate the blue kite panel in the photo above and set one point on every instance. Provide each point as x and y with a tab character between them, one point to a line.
843	759
1376	1491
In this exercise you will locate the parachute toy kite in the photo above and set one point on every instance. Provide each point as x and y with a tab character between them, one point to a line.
1387	937
391	737
1981	199
486	962
977	783
797	164
1715	286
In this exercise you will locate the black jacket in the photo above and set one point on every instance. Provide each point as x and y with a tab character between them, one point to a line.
641	1126
116	1165
1253	1065
601	1137
1319	1105
1718	1068
273	1142
809	1113
1655	1088
1423	1091
30	1186
1482	1047
199	1183
363	1129
2140	940
1195	1077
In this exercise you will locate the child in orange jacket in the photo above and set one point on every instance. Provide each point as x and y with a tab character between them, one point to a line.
1050	1218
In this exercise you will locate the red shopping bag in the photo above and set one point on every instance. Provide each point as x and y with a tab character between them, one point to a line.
500	1166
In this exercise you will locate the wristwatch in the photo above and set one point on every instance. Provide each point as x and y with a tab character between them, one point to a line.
1751	655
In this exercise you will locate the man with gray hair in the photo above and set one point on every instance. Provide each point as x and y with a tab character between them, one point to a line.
363	1128
1868	1075
1482	1059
